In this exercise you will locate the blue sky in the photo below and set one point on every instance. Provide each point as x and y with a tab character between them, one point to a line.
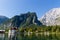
10	8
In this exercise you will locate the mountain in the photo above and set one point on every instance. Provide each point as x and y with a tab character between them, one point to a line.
3	19
23	20
52	17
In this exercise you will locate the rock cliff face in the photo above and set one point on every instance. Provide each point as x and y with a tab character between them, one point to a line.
23	20
52	17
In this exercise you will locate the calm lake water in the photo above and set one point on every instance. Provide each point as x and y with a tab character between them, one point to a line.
31	37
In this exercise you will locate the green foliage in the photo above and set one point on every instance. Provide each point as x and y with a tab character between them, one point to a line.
34	28
6	30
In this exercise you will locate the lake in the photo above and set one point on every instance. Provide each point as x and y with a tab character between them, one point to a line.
31	37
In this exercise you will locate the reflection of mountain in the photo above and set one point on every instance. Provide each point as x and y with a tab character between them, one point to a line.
22	20
52	17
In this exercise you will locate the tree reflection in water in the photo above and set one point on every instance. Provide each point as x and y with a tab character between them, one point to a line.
31	37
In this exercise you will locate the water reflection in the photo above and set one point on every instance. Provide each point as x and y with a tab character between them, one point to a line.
34	36
40	37
2	35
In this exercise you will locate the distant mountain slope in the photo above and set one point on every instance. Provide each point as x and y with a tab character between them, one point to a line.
52	17
23	20
3	19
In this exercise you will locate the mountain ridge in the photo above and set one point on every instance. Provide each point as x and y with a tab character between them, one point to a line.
23	20
50	18
3	18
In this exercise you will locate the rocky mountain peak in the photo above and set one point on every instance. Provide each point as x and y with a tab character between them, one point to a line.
22	20
51	17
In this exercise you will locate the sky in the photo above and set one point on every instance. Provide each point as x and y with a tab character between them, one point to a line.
10	8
